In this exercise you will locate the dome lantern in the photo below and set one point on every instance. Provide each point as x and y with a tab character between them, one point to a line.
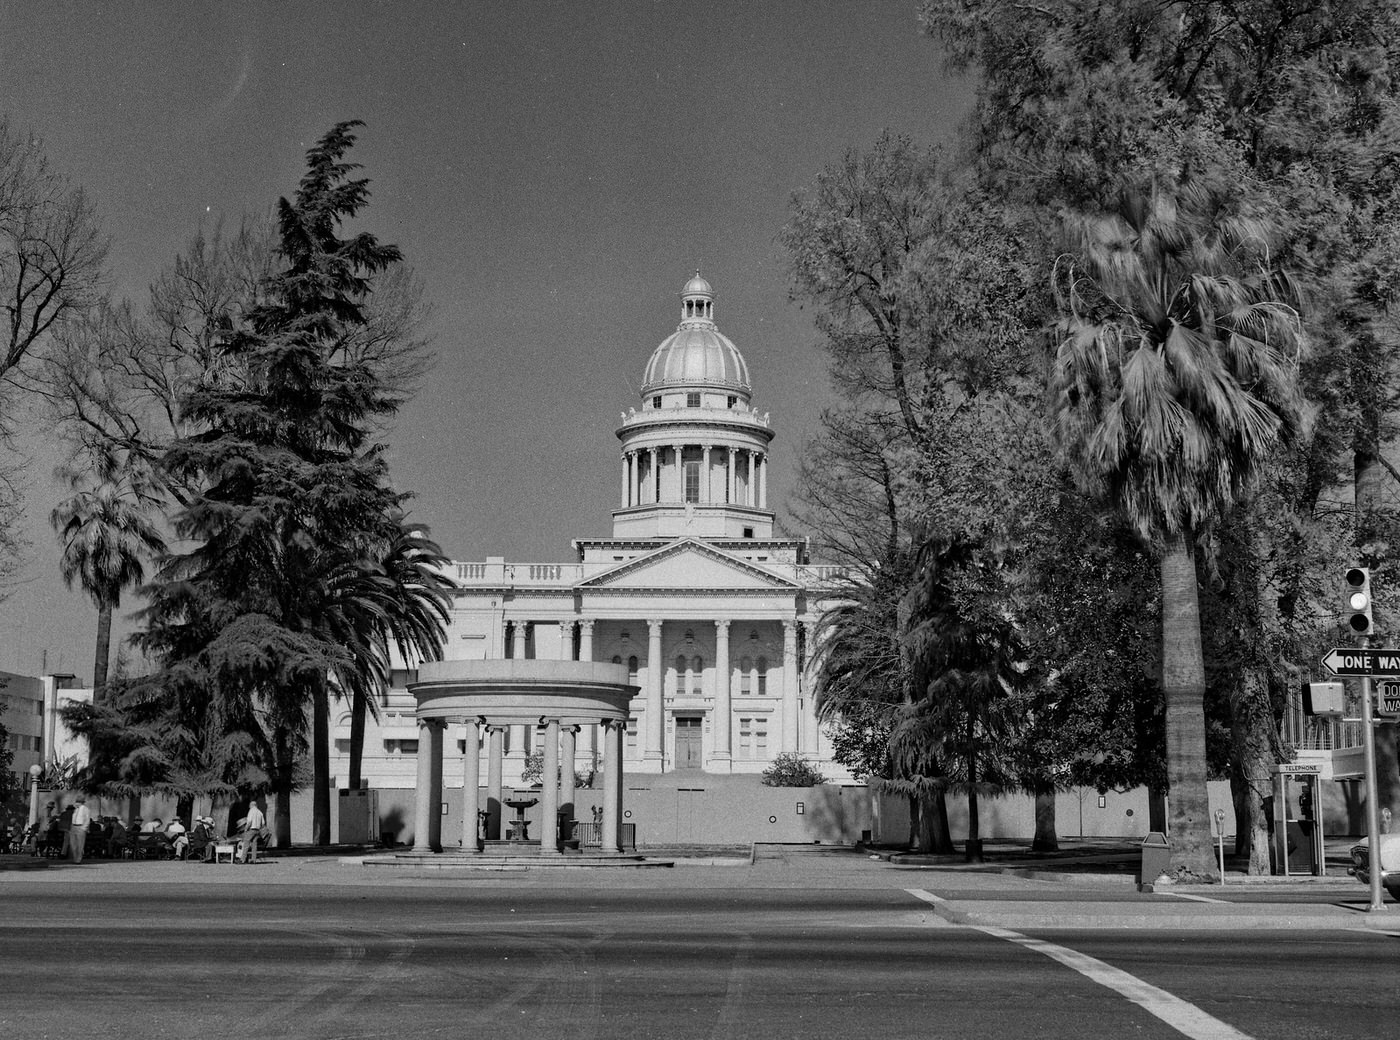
697	355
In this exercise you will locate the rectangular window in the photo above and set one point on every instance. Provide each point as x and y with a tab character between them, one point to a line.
656	401
745	738
692	482
630	742
692	400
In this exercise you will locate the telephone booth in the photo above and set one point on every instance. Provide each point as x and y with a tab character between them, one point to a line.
1297	820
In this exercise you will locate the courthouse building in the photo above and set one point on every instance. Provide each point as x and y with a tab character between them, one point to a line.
710	609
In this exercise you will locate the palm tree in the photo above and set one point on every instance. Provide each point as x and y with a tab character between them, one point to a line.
391	597
1174	383
107	535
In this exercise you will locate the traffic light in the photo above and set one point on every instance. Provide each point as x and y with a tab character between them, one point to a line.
1356	601
1324	699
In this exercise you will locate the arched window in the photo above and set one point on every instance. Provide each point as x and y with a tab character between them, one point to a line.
697	675
617	659
680	674
632	670
745	676
762	676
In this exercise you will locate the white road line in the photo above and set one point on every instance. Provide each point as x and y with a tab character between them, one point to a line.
1182	1016
1188	895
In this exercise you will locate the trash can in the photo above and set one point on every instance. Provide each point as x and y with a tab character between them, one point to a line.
1156	858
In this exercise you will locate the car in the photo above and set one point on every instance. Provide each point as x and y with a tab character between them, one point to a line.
1390	863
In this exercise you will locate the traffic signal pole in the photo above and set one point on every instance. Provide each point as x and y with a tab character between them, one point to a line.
1373	794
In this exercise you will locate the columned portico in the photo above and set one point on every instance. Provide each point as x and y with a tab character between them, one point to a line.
790	722
565	694
656	713
721	753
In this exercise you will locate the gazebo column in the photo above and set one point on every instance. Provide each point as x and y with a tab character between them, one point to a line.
495	739
612	785
549	793
789	737
471	786
568	736
424	798
656	712
435	734
721	754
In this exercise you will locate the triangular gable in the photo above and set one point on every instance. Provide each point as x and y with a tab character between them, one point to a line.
688	564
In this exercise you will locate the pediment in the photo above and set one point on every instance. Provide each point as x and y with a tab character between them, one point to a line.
690	564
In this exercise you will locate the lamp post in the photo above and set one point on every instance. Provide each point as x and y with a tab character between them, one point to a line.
1220	834
34	773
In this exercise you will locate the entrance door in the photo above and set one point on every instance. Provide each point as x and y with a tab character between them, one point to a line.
687	742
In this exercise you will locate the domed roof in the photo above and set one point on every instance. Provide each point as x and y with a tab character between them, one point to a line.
696	354
697	286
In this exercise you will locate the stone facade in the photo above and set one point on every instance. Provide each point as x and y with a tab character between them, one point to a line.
707	607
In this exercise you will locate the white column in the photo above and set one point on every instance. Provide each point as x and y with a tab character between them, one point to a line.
705	493
612	784
515	645
549	793
656	712
679	451
566	640
423	794
435	734
626	465
749	500
763	481
585	640
789	741
730	465
568	764
723	709
654	475
495	741
471	786
811	728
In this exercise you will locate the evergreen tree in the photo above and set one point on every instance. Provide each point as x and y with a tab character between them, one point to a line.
253	622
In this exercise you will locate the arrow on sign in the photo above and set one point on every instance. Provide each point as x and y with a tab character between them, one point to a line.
1343	660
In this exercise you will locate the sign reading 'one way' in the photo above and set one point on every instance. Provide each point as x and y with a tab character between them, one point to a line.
1353	661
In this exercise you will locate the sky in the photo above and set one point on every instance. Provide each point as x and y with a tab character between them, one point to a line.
554	171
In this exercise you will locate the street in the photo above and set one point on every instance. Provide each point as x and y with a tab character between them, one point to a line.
828	947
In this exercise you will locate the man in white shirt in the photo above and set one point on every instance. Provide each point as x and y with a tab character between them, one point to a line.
253	826
78	829
179	841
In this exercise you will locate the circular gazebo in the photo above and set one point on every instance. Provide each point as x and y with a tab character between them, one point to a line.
561	696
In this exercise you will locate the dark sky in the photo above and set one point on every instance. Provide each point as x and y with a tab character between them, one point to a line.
554	170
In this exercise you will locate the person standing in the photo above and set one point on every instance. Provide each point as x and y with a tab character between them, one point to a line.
78	829
252	830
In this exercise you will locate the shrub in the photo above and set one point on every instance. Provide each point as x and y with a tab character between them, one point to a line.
790	769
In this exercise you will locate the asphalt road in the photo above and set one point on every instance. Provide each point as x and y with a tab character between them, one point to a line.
704	954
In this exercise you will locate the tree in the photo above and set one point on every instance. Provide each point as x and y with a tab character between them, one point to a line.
9	783
256	622
1174	383
107	536
51	255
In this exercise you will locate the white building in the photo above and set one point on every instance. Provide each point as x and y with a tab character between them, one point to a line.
708	606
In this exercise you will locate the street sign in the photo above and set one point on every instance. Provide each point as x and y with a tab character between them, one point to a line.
1388	697
1350	660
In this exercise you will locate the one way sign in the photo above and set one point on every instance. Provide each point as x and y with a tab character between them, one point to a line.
1353	661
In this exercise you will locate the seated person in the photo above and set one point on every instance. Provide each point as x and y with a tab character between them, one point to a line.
175	834
118	840
201	839
151	826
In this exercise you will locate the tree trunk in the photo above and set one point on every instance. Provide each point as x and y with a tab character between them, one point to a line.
1251	748
931	825
320	764
282	787
1368	473
103	652
1046	840
1183	690
358	709
1156	809
974	828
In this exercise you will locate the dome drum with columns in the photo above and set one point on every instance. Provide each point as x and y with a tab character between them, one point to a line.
704	613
